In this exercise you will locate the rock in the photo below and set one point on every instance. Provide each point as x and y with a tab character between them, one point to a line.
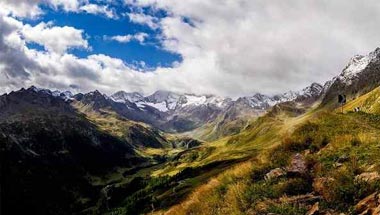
297	165
370	205
368	177
314	210
275	173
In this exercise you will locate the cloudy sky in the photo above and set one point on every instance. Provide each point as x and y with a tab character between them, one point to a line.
223	47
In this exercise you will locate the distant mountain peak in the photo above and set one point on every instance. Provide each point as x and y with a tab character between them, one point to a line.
162	95
122	96
357	64
65	95
361	75
262	102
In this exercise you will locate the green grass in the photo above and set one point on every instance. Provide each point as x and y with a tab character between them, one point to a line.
336	146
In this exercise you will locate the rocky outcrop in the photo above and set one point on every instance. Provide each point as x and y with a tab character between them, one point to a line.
297	165
369	205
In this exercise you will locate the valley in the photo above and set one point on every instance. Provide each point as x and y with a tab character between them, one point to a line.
172	153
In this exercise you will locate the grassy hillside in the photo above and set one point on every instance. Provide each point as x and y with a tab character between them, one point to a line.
369	103
286	162
338	152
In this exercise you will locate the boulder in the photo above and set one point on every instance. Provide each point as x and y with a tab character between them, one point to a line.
297	165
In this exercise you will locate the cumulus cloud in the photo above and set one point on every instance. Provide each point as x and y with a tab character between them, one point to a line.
53	38
15	62
99	9
66	5
31	8
144	19
20	8
140	37
265	46
228	47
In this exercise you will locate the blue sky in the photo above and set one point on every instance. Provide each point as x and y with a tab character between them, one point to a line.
223	47
97	27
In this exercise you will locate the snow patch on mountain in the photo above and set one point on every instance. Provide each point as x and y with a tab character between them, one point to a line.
161	106
165	101
159	97
198	100
260	101
356	65
65	95
123	97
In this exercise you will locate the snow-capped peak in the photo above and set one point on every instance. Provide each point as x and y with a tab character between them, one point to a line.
165	101
357	64
65	95
123	97
162	95
313	90
197	100
260	101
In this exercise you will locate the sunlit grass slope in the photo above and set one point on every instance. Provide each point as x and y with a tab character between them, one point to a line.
336	147
369	103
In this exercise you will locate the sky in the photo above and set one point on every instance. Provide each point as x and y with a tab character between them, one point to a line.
222	47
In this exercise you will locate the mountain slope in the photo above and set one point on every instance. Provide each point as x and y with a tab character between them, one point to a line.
122	96
317	159
240	113
360	76
369	103
48	150
306	96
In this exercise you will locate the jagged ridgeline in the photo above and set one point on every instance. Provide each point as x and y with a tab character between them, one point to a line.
178	153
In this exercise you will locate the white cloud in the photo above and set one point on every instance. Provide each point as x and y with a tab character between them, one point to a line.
265	46
144	19
122	39
31	8
20	8
99	9
140	37
67	5
53	38
231	47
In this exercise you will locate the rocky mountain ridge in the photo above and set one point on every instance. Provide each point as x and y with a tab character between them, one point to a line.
175	112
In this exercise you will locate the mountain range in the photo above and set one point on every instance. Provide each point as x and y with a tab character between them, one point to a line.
126	153
175	112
